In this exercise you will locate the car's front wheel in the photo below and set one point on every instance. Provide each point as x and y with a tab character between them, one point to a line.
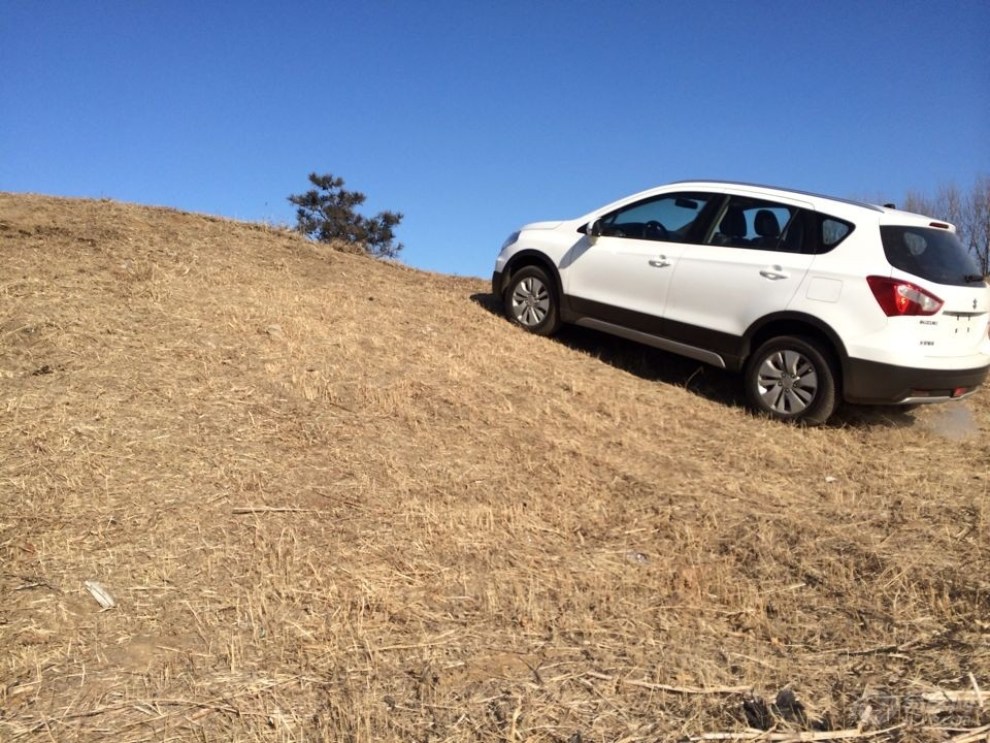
531	301
792	378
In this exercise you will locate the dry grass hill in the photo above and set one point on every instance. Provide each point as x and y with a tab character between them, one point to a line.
337	499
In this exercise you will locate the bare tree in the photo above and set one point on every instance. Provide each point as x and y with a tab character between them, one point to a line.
978	222
949	203
917	202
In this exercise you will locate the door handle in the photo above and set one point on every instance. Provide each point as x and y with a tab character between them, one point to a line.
774	273
659	262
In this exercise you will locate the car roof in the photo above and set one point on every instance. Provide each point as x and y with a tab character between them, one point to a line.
836	206
771	190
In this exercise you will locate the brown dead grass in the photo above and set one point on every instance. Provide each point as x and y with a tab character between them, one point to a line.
337	499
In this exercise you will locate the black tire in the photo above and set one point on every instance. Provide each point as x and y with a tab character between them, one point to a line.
792	378
531	302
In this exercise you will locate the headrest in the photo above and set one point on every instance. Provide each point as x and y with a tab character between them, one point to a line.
766	224
733	224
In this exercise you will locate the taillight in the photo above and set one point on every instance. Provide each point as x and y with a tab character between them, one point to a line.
899	298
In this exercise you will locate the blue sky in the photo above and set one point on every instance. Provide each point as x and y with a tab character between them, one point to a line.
472	118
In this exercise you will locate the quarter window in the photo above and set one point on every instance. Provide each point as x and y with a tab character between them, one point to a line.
825	233
833	232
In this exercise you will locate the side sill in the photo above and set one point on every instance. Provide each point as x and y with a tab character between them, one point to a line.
682	349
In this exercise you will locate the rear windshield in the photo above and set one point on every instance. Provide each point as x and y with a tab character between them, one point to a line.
930	253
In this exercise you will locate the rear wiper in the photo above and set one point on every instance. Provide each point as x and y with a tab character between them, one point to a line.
973	278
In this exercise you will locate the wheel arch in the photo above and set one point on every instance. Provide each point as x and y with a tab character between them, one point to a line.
796	323
531	258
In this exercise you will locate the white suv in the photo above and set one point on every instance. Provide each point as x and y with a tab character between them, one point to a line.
815	299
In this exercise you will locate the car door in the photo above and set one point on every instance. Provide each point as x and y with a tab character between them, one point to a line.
621	272
749	265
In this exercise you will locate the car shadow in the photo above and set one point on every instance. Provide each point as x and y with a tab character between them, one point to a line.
643	361
655	365
709	382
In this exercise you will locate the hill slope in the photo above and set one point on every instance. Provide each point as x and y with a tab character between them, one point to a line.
339	499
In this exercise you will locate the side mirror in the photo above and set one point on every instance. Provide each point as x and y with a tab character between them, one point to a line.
594	231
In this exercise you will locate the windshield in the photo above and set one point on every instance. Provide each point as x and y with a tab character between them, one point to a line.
930	253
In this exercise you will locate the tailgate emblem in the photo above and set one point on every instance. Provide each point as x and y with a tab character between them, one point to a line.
974	304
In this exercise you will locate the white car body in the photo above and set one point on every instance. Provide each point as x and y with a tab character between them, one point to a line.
715	297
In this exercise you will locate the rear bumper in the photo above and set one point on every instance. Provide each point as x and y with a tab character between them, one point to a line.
874	383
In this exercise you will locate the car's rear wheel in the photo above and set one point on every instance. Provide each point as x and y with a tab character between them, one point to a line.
531	301
792	378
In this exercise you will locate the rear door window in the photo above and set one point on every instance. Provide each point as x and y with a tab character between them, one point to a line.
756	224
930	253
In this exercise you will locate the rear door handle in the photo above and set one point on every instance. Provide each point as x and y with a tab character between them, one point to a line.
774	273
659	262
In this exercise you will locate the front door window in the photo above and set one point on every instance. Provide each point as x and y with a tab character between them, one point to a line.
672	217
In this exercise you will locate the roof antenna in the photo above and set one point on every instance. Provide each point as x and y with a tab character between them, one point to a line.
890	206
